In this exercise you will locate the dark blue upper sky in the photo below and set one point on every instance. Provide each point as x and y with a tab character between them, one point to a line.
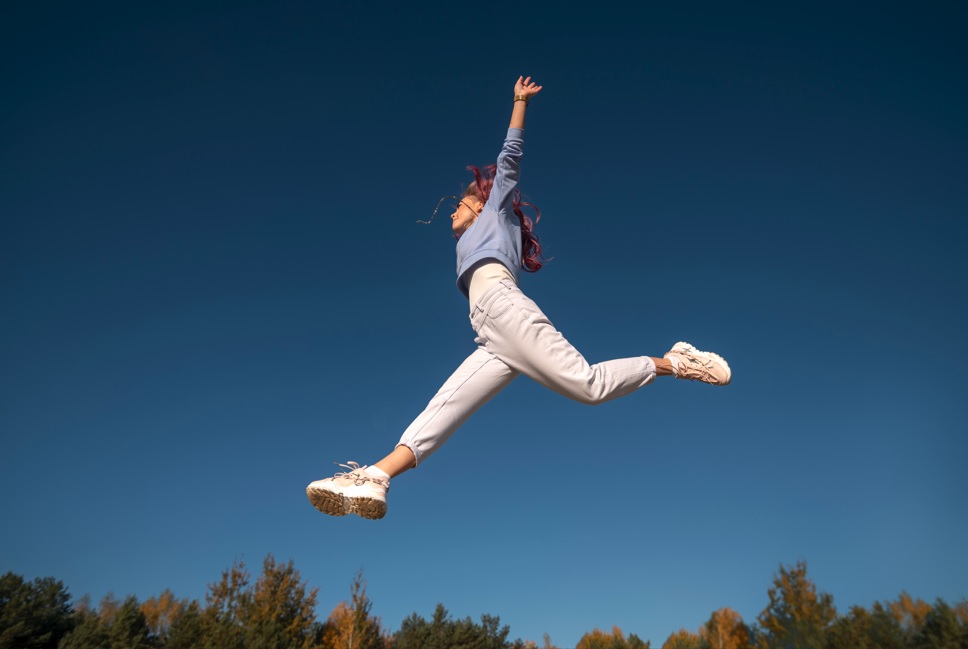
213	287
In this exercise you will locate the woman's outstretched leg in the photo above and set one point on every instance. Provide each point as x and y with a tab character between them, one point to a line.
512	327
478	379
399	460
362	489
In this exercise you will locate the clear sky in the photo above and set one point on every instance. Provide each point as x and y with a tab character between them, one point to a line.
213	287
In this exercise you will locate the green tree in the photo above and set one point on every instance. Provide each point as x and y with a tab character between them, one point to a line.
889	625
89	632
128	628
943	629
226	603
961	612
417	633
277	612
33	614
187	630
280	612
851	631
887	629
442	632
797	617
114	625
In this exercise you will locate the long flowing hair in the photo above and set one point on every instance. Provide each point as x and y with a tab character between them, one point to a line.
531	257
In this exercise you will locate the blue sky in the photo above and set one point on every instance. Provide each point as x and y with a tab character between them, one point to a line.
213	287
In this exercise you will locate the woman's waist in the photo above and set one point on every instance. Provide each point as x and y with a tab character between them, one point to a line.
483	275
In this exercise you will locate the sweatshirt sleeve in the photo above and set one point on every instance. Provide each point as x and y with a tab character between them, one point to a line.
508	171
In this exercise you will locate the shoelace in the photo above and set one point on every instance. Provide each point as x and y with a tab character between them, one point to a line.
356	472
696	364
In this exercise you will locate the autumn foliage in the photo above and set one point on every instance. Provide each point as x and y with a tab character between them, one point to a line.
278	611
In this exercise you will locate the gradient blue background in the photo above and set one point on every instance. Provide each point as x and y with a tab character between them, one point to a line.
213	287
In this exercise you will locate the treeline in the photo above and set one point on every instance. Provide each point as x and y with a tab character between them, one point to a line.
278	611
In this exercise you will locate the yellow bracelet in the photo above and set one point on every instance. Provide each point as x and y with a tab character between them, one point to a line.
523	98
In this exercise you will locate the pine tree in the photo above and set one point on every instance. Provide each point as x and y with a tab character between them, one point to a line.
442	632
33	615
225	606
128	628
796	617
280	612
187	630
943	629
89	632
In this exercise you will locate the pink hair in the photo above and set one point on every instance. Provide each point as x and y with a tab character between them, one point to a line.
530	246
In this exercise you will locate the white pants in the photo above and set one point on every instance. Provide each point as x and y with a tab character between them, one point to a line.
514	337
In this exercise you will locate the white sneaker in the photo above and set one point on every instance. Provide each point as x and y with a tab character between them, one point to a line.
350	492
694	365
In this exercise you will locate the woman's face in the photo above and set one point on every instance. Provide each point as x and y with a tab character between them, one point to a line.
466	213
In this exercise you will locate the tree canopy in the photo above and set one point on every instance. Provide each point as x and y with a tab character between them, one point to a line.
278	611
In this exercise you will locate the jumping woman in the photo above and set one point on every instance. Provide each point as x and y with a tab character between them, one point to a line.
495	241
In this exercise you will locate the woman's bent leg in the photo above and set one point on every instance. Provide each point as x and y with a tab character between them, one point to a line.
474	383
523	337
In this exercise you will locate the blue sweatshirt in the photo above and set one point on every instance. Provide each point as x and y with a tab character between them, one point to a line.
496	234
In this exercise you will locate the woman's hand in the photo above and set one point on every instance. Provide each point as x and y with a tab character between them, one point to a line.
526	87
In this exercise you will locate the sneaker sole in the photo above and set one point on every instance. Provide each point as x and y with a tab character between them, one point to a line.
336	504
